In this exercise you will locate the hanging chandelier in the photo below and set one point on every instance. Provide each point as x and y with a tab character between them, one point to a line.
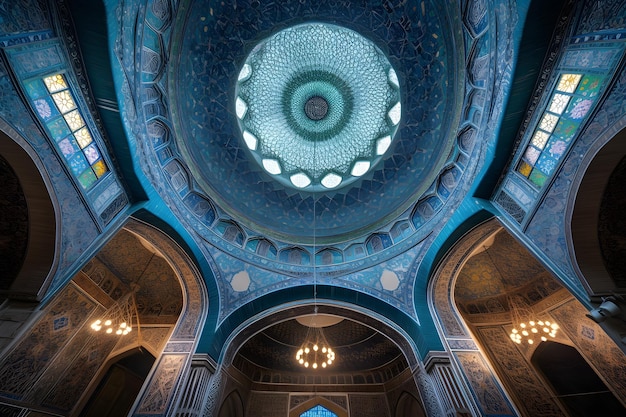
526	329
315	351
118	319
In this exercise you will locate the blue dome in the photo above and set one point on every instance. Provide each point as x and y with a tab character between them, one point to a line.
382	117
318	106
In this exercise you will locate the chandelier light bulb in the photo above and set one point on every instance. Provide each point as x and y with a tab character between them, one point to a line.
315	348
323	364
109	330
107	323
533	331
315	366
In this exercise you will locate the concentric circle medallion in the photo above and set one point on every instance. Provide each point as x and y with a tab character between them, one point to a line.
318	106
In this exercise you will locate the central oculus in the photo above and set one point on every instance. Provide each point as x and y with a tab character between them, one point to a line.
318	106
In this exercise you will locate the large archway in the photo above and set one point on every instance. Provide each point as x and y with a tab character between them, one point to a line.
61	362
28	240
375	363
598	230
472	300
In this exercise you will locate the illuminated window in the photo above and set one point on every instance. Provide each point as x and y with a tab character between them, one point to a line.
56	106
570	103
318	411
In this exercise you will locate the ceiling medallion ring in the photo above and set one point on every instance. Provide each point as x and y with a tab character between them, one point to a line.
317	88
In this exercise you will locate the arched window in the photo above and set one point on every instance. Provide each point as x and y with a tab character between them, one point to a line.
318	411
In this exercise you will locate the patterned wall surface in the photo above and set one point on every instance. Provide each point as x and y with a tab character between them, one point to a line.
27	361
484	386
522	381
263	404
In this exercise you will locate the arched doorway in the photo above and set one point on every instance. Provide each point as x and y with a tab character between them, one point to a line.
232	406
120	385
576	384
409	406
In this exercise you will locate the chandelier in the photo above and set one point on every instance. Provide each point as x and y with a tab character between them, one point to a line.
526	329
315	351
117	319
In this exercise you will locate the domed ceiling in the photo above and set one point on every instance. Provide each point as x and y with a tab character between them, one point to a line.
388	87
326	138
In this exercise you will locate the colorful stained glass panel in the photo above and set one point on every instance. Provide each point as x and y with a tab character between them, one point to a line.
64	101
524	168
539	139
35	89
68	147
78	163
548	122
58	129
546	163
566	129
531	155
318	411
45	108
556	147
91	153
559	103
568	82
74	120
55	83
83	137
87	178
538	178
590	85
579	108
100	168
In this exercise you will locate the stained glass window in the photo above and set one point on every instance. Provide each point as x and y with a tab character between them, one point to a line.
318	411
571	100
55	104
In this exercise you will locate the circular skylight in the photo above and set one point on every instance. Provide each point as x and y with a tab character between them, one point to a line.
318	106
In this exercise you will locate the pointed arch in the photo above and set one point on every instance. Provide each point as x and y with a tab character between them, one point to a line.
39	262
315	401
